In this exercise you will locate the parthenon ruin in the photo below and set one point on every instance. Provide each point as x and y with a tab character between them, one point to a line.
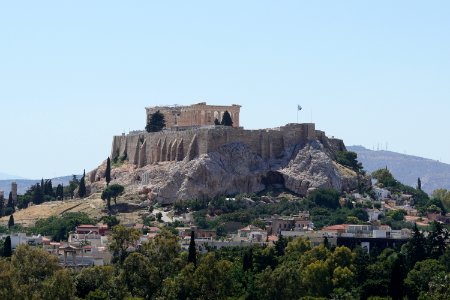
197	115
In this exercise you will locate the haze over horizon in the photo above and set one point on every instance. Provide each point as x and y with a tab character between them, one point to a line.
73	74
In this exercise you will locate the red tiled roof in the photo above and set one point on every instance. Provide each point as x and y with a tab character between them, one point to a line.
336	227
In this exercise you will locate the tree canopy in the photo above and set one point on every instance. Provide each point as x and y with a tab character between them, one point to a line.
156	122
226	119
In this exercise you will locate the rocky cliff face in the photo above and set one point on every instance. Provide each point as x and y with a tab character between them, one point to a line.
232	169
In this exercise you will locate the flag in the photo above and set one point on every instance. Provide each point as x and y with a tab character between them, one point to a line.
299	107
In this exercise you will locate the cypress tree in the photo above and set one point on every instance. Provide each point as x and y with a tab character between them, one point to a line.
38	195
419	184
7	250
192	258
10	202
2	205
280	245
108	171
82	187
247	260
226	119
415	248
60	192
11	221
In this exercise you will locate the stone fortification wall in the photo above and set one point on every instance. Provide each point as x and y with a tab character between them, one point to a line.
149	148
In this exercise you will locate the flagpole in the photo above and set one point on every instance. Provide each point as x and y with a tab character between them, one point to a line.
299	108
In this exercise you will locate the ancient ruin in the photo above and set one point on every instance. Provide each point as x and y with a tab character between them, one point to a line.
202	162
14	192
196	115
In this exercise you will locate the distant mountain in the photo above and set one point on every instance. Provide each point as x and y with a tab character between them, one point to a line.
406	168
4	176
24	184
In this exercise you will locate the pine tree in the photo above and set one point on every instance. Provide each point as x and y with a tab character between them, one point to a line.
226	119
108	171
11	221
82	187
192	258
7	250
156	122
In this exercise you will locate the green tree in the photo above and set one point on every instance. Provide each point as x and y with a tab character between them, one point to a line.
59	192
10	202
97	278
60	286
385	178
111	221
443	195
2	206
326	198
212	280
397	215
192	258
349	159
107	195
82	186
113	191
280	245
216	121
415	249
140	276
438	288
58	227
7	286
108	171
7	250
73	185
116	191
436	240
156	122
11	221
317	279
159	217
418	278
164	253
121	239
284	282
32	266
419	184
226	119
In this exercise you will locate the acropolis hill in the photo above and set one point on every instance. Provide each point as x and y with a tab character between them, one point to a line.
194	159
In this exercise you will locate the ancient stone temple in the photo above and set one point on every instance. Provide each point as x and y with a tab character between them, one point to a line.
197	115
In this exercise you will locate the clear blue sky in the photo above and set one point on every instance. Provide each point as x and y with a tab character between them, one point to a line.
75	73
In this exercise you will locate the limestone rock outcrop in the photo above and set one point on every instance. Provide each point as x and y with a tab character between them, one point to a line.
206	163
235	169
